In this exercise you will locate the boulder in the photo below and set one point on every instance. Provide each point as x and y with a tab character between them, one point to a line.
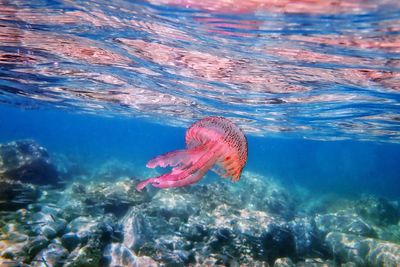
344	222
378	210
363	251
15	194
28	162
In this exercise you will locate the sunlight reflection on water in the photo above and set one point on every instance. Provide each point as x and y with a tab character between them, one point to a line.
315	69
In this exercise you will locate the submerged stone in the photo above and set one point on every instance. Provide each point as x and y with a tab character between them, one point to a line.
36	245
54	255
167	204
94	234
15	194
344	222
308	238
116	254
136	230
49	232
106	197
70	241
378	210
257	193
277	241
216	224
317	262
284	262
363	251
28	162
178	258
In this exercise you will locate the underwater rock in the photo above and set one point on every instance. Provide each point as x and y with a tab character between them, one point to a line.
297	239
12	263
308	239
218	224
49	232
284	262
43	222
15	194
94	234
363	251
193	232
36	245
136	230
85	228
241	232
177	258
247	222
317	262
106	197
167	203
378	210
210	196
72	209
277	241
136	233
182	234
257	193
172	242
70	241
28	162
116	254
146	261
54	255
230	233
13	249
389	233
29	232
88	256
344	222
78	189
81	224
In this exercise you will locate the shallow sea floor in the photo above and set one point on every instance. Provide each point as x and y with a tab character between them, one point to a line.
56	213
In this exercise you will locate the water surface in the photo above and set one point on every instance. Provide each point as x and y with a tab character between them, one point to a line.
311	69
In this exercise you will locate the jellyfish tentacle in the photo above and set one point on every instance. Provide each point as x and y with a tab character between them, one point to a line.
187	180
143	184
178	157
184	174
198	159
169	159
188	176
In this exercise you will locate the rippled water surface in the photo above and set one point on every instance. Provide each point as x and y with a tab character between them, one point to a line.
314	69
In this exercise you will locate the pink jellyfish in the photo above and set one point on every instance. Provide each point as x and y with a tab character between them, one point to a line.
213	142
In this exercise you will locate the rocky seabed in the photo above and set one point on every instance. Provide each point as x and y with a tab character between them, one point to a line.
49	217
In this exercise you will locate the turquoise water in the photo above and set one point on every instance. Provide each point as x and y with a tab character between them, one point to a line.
105	86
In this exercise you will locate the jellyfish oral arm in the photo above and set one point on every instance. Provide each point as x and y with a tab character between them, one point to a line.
191	165
184	177
177	157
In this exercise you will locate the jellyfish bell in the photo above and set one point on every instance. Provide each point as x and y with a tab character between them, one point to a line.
214	143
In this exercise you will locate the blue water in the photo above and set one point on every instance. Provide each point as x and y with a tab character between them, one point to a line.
347	168
314	87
